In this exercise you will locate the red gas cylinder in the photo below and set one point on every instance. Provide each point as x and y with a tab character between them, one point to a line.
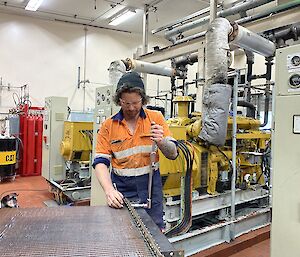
30	146
38	144
23	137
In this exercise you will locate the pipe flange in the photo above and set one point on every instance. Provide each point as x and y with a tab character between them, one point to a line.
234	31
128	63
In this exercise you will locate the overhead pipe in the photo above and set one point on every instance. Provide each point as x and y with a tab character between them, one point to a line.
248	40
150	68
281	35
181	21
231	11
277	9
187	59
274	10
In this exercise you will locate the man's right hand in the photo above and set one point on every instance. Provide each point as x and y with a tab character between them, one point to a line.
114	199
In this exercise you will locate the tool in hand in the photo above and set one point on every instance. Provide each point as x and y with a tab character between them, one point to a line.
152	170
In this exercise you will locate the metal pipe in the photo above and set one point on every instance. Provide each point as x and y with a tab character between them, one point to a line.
251	41
250	108
233	177
145	29
250	62
187	59
213	10
84	67
181	21
150	68
185	39
282	34
145	37
231	11
269	64
274	10
200	79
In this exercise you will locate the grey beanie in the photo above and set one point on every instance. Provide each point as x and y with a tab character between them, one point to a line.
132	79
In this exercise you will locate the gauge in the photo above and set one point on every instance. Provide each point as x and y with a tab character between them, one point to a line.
296	60
295	80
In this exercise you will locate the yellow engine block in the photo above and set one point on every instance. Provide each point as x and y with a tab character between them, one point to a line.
211	168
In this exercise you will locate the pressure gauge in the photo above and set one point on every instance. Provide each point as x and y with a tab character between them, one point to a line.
295	60
294	81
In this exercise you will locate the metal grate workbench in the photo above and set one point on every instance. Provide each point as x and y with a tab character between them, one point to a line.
70	231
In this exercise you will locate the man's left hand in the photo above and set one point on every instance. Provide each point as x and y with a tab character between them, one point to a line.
157	132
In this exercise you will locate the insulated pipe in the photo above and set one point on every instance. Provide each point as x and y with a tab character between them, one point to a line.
150	68
116	70
217	94
251	41
216	54
231	11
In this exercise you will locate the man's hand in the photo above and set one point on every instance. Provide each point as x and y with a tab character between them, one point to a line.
157	132
114	198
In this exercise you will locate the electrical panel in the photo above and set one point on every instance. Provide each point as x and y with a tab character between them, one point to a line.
56	112
286	154
104	108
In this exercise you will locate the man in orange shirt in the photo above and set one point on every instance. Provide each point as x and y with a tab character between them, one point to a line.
125	142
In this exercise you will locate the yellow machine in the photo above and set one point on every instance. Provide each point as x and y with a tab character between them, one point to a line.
211	169
77	142
75	148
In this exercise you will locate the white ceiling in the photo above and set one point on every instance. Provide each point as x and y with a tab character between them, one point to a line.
93	12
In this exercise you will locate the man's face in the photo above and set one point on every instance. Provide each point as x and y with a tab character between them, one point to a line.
131	104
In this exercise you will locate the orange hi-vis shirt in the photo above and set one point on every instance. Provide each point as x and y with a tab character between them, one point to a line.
128	153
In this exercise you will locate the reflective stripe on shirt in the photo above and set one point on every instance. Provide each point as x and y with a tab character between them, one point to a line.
132	151
135	171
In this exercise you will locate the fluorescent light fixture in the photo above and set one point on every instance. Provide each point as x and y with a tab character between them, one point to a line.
112	12
33	5
128	13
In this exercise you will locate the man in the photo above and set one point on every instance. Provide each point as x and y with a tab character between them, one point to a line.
125	142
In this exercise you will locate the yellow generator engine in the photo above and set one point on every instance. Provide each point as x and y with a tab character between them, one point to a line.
76	148
211	165
77	142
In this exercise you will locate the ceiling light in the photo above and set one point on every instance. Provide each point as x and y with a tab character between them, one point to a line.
114	10
33	5
128	13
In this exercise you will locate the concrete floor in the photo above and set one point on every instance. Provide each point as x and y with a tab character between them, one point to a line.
33	191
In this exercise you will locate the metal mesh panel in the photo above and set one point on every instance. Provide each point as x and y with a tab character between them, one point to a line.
69	231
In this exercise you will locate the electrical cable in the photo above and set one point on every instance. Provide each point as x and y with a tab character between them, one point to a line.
185	223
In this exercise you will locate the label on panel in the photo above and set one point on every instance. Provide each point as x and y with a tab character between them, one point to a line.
296	124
